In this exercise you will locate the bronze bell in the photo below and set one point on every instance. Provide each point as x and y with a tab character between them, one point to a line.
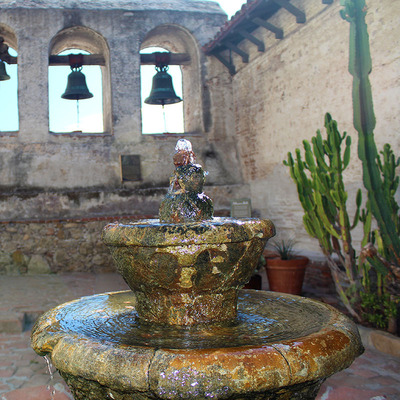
162	91
3	74
76	86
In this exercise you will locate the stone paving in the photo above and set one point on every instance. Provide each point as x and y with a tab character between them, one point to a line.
25	376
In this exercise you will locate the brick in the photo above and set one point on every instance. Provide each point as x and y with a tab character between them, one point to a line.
24	372
6	373
348	393
34	393
365	373
11	323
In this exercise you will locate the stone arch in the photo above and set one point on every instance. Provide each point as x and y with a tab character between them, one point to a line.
178	39
9	36
88	40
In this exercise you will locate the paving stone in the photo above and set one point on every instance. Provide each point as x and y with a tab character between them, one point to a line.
7	373
11	323
386	343
365	373
39	379
34	393
347	393
3	388
25	371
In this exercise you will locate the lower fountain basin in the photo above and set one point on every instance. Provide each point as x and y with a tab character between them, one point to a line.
279	347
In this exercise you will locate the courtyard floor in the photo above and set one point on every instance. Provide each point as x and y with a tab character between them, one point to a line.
25	376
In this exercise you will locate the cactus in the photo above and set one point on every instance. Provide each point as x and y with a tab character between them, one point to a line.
319	180
360	66
370	281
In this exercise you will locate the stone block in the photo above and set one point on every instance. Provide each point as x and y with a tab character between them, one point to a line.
385	342
61	257
11	323
38	265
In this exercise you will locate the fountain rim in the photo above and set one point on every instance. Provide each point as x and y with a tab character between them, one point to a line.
154	233
338	336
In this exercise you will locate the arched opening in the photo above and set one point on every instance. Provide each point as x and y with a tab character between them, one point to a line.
9	118
157	118
91	115
176	39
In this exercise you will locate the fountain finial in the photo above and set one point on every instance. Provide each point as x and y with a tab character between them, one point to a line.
185	200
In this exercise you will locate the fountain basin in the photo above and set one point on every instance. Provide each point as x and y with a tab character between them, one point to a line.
279	347
186	330
185	274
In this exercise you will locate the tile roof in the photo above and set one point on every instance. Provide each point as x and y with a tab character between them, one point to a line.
253	15
229	25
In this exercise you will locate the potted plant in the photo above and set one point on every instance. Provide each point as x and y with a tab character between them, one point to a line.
286	270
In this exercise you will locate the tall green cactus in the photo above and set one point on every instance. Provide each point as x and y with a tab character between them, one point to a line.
371	280
360	66
319	180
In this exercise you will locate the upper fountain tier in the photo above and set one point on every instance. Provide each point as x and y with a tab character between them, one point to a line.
187	267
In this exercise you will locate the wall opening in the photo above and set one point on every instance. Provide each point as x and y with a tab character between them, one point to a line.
71	115
9	120
94	113
156	118
177	39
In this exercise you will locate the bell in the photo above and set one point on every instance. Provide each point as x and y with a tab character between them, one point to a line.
162	91
3	74
76	87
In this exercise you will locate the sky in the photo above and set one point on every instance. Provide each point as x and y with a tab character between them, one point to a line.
231	6
90	111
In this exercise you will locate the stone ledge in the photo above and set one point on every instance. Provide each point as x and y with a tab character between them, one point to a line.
380	340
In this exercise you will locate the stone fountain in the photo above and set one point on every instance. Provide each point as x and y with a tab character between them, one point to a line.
186	330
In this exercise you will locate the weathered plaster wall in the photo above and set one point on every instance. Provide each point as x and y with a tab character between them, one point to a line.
280	98
53	170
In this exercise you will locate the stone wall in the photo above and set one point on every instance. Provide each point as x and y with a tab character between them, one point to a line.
40	247
281	95
56	244
75	245
43	172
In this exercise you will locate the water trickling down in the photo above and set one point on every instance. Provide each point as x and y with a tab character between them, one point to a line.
49	366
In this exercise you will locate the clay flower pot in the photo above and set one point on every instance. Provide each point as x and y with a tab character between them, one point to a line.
286	276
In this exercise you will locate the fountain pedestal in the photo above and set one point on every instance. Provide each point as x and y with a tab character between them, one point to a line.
187	274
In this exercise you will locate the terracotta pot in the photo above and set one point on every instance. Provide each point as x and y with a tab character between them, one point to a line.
286	276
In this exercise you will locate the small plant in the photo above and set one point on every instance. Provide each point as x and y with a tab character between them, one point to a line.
284	249
379	310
